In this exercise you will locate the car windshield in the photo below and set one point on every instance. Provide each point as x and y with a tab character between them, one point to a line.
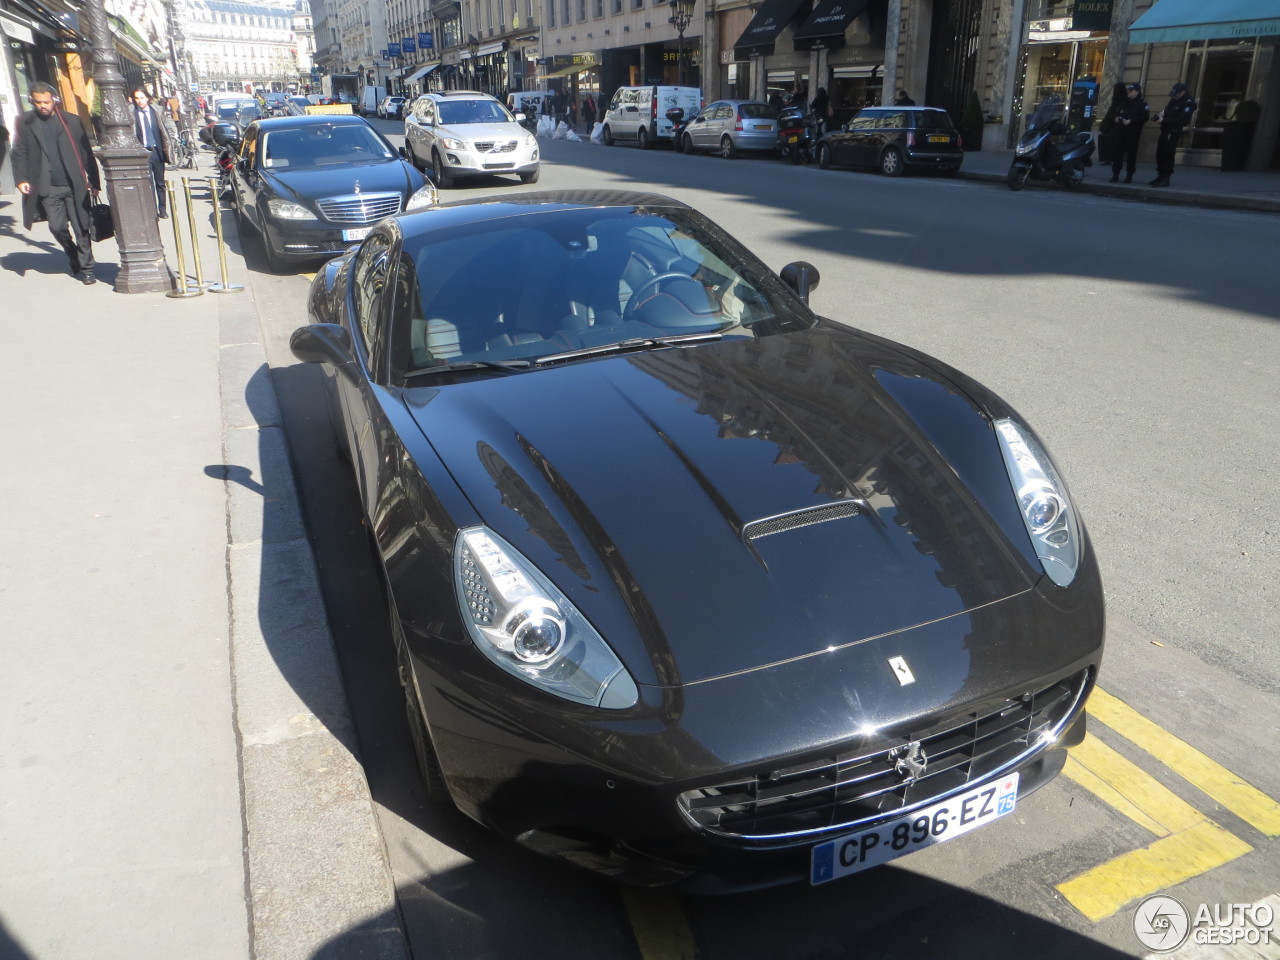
569	284
474	111
319	144
233	110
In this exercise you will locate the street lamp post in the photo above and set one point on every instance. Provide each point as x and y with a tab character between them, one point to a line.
681	17
473	48
126	170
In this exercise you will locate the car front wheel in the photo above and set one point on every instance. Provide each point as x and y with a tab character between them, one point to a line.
607	134
531	176
891	162
438	172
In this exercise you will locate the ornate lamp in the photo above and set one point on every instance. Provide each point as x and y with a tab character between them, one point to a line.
681	17
473	48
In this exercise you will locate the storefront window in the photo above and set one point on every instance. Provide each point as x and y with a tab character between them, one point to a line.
1218	75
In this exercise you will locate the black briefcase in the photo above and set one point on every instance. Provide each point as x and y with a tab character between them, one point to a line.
102	224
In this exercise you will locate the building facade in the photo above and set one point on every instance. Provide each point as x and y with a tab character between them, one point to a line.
242	47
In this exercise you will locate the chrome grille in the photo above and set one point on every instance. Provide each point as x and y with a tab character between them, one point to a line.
360	208
495	146
835	794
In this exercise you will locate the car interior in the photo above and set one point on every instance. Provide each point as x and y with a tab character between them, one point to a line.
544	294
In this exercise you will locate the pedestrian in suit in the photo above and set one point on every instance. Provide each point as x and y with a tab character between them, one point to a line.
1172	120
151	133
57	175
1127	129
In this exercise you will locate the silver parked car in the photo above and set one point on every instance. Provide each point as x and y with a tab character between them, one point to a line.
731	127
464	133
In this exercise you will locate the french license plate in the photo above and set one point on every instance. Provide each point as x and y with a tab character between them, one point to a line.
939	139
914	831
761	126
358	233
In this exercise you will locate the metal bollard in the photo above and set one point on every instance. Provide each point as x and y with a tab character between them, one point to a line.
182	288
224	286
191	222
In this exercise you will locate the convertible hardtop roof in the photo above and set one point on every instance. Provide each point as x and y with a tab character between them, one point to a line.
513	205
311	120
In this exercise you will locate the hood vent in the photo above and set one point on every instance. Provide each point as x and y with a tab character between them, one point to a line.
800	518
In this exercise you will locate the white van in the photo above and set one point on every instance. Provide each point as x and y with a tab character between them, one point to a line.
640	113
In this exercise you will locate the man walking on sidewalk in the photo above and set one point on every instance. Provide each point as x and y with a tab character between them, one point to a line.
57	175
1172	119
152	134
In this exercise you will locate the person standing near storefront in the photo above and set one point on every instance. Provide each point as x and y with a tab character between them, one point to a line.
152	134
1128	119
55	171
1172	119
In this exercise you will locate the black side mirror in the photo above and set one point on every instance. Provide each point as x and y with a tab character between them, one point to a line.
322	343
802	277
404	154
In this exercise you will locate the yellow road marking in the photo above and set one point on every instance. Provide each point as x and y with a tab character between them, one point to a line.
661	929
1245	801
1100	892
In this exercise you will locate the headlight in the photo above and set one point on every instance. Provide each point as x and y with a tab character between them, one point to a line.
452	144
288	210
424	197
525	625
530	140
1043	499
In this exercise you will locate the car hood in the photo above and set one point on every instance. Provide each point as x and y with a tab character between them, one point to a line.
308	183
472	132
640	485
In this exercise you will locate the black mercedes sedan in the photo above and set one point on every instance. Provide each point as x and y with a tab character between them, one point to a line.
688	585
311	186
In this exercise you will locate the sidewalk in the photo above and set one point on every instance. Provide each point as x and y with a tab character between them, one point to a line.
177	768
1190	186
178	774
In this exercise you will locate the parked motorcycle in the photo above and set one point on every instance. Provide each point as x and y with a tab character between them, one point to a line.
226	139
678	122
797	135
1047	152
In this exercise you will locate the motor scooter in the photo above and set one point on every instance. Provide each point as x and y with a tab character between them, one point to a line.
797	135
1047	152
226	139
678	123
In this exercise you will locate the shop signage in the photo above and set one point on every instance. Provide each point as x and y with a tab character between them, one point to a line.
393	49
383	54
426	41
1092	15
409	45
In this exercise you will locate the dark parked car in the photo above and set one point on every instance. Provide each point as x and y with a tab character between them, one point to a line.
893	139
689	585
310	186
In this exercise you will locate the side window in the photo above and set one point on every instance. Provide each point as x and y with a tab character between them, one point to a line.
371	268
893	121
867	120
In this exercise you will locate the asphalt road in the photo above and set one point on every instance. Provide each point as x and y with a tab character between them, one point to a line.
1140	341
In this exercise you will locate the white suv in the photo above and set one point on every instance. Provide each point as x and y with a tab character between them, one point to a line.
464	133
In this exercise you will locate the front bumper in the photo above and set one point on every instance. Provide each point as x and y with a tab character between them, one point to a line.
610	792
467	163
310	239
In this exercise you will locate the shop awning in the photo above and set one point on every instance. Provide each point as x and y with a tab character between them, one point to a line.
827	24
1177	20
769	21
420	73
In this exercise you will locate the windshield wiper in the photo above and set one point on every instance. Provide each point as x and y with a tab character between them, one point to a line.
630	346
505	366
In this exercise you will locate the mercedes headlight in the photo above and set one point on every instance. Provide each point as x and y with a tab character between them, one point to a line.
525	625
1043	500
424	197
288	210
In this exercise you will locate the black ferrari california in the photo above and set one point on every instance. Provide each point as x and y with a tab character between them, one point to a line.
311	186
689	585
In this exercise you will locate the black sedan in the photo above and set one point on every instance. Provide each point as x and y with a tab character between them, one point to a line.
689	585
311	186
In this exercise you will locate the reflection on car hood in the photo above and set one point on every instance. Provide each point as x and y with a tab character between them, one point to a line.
384	176
638	483
473	132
